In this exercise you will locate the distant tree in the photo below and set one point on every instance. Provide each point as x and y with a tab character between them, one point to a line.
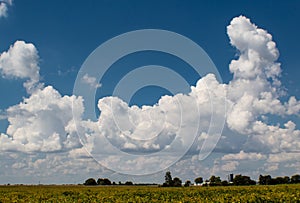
286	179
177	182
278	180
104	181
90	181
265	180
295	179
268	180
168	180
187	183
128	183
224	183
100	181
199	180
261	180
243	180
107	181
215	180
238	180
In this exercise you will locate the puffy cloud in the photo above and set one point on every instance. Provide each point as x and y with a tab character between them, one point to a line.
169	128
45	121
123	124
41	123
254	94
274	139
21	61
230	166
8	144
91	81
250	41
255	89
244	156
284	157
293	106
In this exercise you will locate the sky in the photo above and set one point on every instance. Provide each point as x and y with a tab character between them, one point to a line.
199	88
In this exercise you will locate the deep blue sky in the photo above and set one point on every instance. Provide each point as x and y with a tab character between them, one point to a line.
66	32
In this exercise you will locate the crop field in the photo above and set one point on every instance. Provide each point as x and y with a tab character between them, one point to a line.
28	194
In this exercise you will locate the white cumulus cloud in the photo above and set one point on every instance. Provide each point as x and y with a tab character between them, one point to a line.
255	89
21	61
41	123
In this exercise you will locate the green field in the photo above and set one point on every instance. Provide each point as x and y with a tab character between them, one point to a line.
279	193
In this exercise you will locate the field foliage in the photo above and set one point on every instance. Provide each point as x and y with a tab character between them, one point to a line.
28	194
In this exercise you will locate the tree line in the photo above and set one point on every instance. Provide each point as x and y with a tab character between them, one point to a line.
268	180
104	181
212	181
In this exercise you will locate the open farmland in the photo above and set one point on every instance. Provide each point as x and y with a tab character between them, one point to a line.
279	193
